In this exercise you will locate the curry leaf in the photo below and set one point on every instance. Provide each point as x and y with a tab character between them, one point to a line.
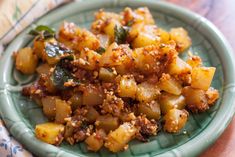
61	74
120	33
43	31
100	50
56	49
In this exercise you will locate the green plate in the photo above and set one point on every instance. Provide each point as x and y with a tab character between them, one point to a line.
21	115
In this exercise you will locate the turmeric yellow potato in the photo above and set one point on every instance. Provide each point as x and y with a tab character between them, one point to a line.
92	114
169	84
43	69
147	92
107	122
169	101
117	139
89	59
109	28
92	96
178	66
127	87
63	110
26	60
150	109
76	101
115	55
180	35
175	120
194	61
164	35
106	75
148	35
50	133
202	77
77	38
49	106
195	99
96	140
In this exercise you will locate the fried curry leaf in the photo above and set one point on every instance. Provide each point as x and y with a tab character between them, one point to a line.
100	50
56	49
61	74
43	31
120	33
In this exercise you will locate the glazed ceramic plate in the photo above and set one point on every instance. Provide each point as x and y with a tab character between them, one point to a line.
21	114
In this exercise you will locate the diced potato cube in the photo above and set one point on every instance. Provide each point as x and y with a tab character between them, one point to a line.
127	86
194	61
147	36
43	69
26	60
118	139
180	35
92	115
143	15
109	28
76	101
169	84
202	77
164	35
63	110
92	95
178	66
151	110
104	40
89	59
107	122
114	55
50	132
77	38
49	106
170	101
147	92
212	95
106	75
175	120
96	140
195	99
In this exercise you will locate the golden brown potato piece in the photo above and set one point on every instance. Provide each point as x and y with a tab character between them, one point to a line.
180	35
96	140
127	86
117	139
139	15
170	101
92	115
89	59
43	69
175	120
63	110
49	106
178	66
76	101
148	35
147	92
194	61
195	99
202	77
169	84
212	95
92	95
26	60
106	75
50	133
77	38
150	109
107	122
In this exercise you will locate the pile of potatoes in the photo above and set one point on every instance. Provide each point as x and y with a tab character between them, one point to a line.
128	68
